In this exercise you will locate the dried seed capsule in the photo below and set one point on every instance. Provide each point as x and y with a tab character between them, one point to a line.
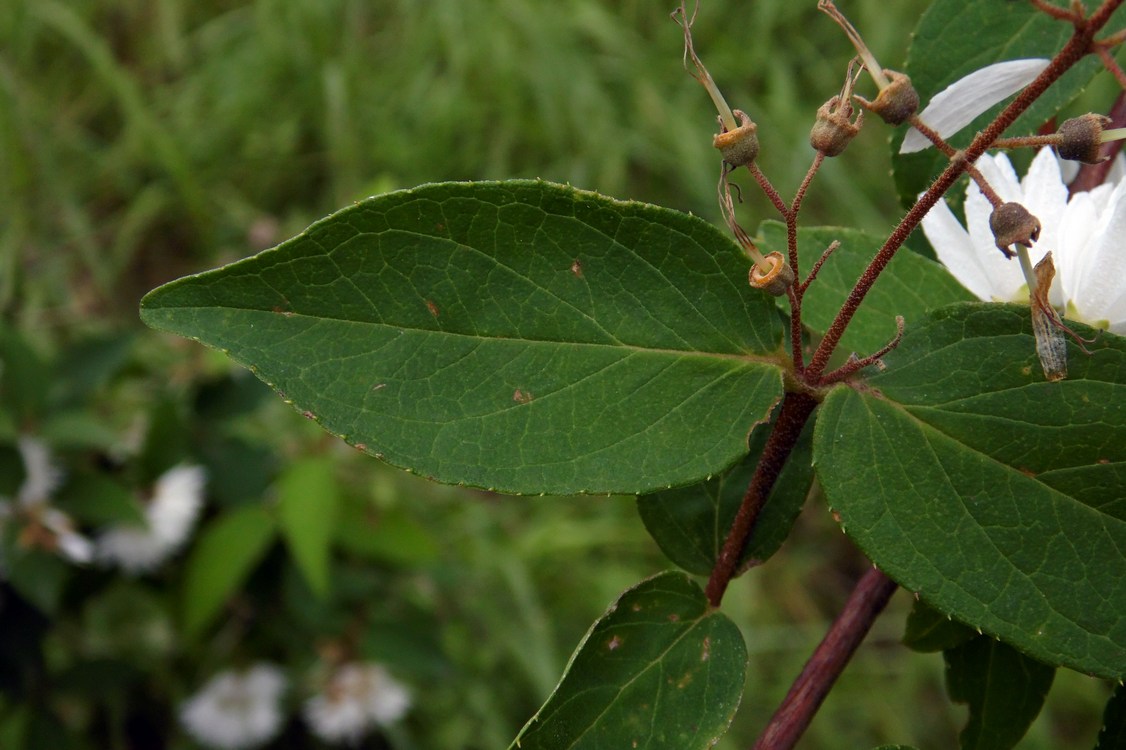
896	102
739	146
1080	138
833	130
1012	224
775	281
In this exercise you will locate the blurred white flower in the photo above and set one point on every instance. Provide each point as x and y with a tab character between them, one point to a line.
41	476
236	710
355	699
43	526
958	104
169	518
1085	234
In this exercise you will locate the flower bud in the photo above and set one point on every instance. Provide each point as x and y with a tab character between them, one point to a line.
1012	224
833	131
775	281
739	146
896	102
1080	138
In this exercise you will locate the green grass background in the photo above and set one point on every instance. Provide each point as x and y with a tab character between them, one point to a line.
141	140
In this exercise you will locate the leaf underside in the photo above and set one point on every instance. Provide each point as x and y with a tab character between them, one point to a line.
1003	688
690	524
995	495
519	336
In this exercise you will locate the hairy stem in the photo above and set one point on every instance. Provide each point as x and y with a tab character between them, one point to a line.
792	718
1076	48
796	408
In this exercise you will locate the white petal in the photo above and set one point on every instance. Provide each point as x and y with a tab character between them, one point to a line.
1000	174
175	505
1070	255
1101	292
958	104
1045	196
1005	280
952	245
41	476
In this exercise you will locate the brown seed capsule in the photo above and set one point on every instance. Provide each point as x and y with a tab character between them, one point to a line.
896	102
777	280
739	146
1012	224
1080	138
833	131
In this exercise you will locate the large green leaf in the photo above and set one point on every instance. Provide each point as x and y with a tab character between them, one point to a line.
690	524
992	493
661	669
1003	688
522	336
909	286
955	38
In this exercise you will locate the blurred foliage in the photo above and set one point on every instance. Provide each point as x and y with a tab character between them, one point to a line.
142	140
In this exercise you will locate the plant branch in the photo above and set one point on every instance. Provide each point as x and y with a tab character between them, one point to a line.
796	712
796	408
1076	48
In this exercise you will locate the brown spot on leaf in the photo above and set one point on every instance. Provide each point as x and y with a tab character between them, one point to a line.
674	618
706	652
360	446
522	397
577	268
614	643
432	307
309	415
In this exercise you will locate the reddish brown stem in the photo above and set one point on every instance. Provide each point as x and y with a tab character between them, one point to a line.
865	603
1075	49
796	408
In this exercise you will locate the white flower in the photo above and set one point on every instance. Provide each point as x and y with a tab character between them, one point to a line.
236	710
169	518
41	476
356	698
43	526
1086	234
958	104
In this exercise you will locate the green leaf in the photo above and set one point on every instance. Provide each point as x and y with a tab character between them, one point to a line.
909	286
385	535
227	551
39	577
96	499
1113	734
661	669
955	38
690	524
24	381
1004	689
991	493
308	502
521	336
930	631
